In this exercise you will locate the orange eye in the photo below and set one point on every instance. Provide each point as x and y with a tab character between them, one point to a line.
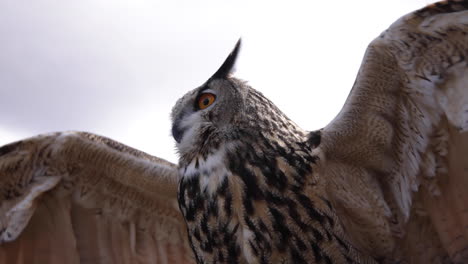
206	100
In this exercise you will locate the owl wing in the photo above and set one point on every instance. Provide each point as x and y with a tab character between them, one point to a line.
396	156
77	197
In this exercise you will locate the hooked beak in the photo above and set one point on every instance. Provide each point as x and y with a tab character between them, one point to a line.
177	131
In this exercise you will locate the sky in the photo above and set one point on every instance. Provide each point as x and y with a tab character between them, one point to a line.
116	68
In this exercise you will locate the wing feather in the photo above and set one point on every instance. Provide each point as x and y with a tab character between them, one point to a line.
396	153
77	197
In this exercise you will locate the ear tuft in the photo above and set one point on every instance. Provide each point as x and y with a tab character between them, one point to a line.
228	64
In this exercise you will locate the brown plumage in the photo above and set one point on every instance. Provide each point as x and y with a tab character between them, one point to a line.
383	182
86	204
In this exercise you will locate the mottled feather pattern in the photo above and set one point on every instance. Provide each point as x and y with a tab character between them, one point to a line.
267	206
420	61
384	182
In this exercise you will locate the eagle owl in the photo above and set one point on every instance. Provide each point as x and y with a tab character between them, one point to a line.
249	191
384	182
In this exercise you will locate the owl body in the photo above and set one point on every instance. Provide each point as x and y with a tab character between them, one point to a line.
248	190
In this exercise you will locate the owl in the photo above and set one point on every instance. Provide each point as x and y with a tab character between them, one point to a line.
249	190
384	182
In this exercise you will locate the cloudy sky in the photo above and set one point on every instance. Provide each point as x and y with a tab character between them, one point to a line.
116	67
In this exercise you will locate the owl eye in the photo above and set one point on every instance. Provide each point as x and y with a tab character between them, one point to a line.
205	100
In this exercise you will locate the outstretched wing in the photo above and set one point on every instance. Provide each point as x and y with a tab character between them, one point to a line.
80	198
396	156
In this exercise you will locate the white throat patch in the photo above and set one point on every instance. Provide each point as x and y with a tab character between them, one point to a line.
211	172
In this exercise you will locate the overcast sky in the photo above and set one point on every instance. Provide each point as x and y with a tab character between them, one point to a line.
116	68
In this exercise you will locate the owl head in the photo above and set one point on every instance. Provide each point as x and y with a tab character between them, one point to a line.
223	110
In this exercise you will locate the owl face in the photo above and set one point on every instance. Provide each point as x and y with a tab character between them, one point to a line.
206	116
226	110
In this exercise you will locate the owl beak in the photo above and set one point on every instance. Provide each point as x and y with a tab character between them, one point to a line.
177	132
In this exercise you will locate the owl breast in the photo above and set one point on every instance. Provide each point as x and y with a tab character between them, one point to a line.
210	199
206	199
244	205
